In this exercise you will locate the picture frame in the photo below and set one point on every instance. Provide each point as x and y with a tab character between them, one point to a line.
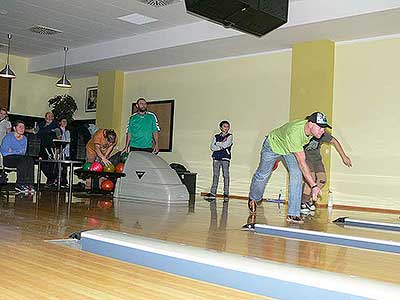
164	110
91	99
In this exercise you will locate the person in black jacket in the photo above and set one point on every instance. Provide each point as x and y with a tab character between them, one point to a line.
221	146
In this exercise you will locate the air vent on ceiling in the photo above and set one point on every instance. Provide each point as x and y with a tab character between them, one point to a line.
158	3
40	29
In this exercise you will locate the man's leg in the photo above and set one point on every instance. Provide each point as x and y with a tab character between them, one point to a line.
262	174
295	185
306	187
217	164
225	172
320	174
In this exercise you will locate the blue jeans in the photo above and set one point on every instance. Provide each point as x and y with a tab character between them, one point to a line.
264	170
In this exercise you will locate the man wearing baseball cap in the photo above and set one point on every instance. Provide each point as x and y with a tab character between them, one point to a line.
286	143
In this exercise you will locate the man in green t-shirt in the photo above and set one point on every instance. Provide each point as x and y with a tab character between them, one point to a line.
286	143
142	130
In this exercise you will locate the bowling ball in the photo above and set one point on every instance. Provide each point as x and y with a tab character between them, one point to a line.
104	204
119	168
275	165
123	157
109	168
96	167
86	166
107	185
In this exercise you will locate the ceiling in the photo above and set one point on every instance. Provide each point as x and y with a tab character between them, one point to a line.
98	41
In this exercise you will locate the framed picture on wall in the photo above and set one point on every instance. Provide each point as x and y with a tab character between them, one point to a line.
91	99
164	110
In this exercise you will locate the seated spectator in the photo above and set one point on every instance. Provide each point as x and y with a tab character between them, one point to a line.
13	149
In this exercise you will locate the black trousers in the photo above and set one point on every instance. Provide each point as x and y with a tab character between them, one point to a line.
24	165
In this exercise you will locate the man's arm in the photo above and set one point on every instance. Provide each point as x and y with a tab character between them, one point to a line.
213	145
103	157
301	159
127	142
156	146
227	143
346	160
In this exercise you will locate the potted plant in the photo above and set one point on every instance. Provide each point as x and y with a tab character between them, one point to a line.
63	106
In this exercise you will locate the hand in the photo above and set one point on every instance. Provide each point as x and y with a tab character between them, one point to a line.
156	149
347	161
315	192
106	162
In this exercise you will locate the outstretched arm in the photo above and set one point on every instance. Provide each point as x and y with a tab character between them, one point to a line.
346	160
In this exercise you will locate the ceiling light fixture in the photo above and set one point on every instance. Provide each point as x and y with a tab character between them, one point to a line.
64	82
7	72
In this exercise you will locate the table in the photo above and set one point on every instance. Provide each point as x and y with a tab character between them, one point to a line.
59	162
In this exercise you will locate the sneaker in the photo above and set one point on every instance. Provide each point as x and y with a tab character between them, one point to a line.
20	188
294	219
248	227
304	208
252	205
226	197
310	205
209	197
30	188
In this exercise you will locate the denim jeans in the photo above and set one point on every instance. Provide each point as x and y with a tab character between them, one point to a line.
264	170
217	165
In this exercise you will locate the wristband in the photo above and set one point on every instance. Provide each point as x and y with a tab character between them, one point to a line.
314	186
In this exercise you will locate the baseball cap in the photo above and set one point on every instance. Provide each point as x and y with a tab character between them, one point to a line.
318	118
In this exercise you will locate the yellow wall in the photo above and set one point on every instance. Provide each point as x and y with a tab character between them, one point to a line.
313	65
253	93
30	92
109	100
366	121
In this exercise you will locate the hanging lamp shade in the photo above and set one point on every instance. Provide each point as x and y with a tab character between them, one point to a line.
64	82
7	72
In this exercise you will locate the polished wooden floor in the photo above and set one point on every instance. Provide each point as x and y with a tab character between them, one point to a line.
35	269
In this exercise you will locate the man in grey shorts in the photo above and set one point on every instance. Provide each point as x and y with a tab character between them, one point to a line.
317	168
221	146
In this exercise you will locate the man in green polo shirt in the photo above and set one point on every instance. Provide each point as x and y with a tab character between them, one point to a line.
287	143
142	130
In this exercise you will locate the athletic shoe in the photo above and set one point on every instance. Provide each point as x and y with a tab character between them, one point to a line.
252	205
20	188
249	227
30	188
294	219
226	197
209	197
310	205
304	209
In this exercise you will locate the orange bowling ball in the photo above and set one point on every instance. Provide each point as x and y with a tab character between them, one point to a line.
107	185
119	168
104	204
